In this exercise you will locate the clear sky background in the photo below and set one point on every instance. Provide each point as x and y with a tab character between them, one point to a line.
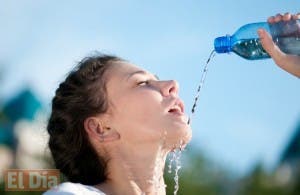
247	110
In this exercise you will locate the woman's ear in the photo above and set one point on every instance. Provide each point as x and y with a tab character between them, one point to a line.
91	126
97	131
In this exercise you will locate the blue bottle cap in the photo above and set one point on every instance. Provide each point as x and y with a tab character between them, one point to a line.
223	44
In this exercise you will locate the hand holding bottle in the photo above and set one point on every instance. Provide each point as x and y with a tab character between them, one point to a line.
288	62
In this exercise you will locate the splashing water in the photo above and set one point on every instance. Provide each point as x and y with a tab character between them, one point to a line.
177	167
204	72
172	159
175	160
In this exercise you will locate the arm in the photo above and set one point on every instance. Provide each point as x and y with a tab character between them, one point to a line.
289	63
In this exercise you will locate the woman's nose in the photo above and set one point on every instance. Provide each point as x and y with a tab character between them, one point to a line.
169	87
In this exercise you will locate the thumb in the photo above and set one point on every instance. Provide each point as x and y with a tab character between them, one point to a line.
268	44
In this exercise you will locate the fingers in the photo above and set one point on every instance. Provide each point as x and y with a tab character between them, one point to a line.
286	17
266	41
278	18
271	19
296	16
270	47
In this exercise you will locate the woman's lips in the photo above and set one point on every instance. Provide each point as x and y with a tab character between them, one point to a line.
177	107
175	110
179	115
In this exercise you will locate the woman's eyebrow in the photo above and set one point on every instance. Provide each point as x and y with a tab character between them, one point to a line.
140	72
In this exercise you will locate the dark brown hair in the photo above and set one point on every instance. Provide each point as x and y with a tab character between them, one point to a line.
82	94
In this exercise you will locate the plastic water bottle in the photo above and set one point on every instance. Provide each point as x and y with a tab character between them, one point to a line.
245	41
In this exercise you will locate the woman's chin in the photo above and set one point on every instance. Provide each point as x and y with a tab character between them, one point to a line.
184	133
186	138
179	138
177	132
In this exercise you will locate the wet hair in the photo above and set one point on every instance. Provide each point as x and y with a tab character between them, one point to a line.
81	95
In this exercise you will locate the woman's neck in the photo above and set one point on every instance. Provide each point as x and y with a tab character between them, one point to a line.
136	170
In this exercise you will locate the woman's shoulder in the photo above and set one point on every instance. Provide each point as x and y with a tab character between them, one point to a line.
68	188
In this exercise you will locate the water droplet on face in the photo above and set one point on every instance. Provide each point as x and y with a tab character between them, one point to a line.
163	138
181	145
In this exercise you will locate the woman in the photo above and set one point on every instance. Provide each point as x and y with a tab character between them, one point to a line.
113	123
112	126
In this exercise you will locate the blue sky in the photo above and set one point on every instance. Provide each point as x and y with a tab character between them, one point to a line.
247	110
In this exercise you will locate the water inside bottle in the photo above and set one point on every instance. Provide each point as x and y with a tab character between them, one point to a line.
250	49
289	45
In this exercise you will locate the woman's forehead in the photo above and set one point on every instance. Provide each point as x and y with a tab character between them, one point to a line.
121	70
117	78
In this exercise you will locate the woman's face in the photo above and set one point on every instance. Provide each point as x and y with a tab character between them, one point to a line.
144	109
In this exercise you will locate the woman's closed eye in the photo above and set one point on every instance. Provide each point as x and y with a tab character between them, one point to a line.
141	83
146	81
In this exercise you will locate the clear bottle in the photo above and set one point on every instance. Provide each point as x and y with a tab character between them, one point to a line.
245	41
